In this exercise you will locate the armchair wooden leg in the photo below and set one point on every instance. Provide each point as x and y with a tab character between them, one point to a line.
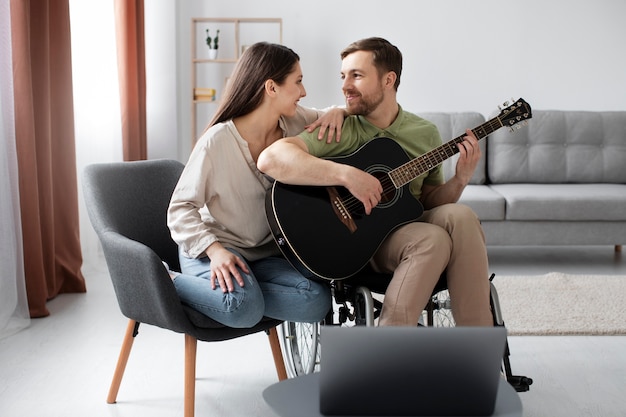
277	354
191	347
618	248
127	344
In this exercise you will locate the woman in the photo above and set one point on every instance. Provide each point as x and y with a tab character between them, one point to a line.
232	270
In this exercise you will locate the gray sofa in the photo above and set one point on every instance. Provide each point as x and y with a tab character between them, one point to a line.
559	180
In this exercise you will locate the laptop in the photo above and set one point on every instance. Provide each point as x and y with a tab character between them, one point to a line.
410	371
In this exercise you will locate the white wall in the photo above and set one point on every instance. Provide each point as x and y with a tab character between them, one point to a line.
161	79
458	55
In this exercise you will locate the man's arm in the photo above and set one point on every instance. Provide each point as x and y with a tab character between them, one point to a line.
450	192
289	161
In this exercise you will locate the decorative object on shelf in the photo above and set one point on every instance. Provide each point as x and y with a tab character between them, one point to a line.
213	43
204	94
208	68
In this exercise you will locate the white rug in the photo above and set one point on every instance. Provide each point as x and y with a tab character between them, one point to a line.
563	304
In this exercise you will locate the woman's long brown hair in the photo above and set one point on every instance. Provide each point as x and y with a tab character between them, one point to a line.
244	92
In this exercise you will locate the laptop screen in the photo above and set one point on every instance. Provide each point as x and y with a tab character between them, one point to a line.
410	371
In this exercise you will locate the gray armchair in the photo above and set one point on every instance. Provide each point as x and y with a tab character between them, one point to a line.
127	204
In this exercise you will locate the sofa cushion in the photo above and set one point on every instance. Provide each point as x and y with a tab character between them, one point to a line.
564	202
452	125
486	203
537	232
561	147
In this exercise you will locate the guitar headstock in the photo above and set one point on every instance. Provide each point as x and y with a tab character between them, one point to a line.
517	112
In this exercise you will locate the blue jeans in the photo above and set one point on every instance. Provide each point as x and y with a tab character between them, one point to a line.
273	288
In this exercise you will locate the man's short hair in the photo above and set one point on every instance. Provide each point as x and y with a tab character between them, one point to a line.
387	57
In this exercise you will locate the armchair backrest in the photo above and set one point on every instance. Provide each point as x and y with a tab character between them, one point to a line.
127	205
131	198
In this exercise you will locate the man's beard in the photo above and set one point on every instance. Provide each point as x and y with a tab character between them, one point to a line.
364	106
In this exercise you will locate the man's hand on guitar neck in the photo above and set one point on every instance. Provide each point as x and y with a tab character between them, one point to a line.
469	156
451	190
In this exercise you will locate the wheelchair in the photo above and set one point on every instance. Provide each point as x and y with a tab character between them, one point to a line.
357	301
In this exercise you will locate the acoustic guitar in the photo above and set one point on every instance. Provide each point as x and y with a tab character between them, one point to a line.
325	231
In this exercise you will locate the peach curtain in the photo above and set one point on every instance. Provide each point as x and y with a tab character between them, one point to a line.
129	20
44	130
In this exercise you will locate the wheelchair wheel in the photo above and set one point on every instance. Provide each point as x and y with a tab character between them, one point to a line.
300	347
439	312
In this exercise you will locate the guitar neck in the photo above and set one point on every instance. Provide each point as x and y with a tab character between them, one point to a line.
431	159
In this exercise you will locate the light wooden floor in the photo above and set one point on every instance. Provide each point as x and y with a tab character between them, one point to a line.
62	365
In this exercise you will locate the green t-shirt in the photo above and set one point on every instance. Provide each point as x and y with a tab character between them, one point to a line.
416	135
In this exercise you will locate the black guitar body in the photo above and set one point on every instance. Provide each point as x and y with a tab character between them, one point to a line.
330	235
324	230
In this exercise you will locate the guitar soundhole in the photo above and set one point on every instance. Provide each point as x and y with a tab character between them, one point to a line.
391	194
346	206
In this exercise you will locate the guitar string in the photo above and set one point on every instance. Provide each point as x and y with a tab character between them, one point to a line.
426	161
408	170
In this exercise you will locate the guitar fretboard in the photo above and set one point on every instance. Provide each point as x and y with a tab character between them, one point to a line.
424	163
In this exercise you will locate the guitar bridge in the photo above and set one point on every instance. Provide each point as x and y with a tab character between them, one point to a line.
341	211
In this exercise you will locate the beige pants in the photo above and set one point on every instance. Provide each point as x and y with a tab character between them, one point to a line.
447	237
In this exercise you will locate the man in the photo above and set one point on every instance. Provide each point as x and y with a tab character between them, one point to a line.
448	236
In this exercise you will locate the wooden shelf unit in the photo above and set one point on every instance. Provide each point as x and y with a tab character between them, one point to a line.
231	42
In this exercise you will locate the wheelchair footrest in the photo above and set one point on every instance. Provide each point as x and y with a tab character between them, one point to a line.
520	383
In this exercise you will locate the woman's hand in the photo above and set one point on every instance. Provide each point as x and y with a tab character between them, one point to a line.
331	121
224	265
